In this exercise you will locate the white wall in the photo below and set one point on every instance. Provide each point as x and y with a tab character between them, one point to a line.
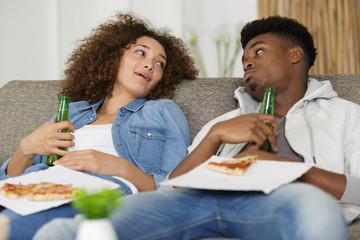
75	24
213	18
37	36
77	18
28	42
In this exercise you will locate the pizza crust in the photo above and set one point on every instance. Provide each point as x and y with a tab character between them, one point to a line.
15	191
237	166
39	192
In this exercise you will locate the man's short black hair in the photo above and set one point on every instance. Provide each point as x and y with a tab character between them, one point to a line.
287	27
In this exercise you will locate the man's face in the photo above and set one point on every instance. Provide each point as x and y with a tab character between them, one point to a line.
267	63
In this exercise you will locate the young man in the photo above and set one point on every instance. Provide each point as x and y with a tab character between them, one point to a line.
311	124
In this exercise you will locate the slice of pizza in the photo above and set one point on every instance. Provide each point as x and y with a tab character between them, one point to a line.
237	166
49	191
14	191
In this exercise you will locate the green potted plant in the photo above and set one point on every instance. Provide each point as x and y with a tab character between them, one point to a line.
96	209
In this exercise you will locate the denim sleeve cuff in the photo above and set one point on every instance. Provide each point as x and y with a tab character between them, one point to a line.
38	159
3	168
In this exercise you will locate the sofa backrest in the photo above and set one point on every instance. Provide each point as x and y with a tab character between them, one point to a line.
25	105
206	98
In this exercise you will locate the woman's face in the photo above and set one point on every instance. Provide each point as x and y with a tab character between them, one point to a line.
141	68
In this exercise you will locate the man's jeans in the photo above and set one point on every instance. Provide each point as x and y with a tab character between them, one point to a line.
293	211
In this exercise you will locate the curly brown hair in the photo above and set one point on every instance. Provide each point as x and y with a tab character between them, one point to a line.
93	66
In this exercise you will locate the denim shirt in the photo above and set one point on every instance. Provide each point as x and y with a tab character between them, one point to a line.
153	135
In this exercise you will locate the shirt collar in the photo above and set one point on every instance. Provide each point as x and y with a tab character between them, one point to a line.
133	106
84	105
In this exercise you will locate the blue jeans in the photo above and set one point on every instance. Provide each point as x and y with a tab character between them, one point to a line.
293	211
24	227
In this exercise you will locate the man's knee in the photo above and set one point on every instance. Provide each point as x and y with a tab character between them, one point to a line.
314	213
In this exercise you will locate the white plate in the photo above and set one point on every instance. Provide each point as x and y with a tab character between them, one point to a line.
262	176
58	175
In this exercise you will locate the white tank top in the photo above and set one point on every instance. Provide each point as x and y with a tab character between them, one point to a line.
99	138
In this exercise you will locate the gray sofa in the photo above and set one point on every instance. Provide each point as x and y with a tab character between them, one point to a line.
25	105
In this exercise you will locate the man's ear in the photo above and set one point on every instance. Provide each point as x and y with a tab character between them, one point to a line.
297	53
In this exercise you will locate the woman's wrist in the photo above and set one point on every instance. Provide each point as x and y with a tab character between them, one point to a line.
25	151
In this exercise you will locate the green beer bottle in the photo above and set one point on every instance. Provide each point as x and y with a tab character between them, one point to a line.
267	107
61	115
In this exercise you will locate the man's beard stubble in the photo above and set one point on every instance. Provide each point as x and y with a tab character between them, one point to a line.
253	87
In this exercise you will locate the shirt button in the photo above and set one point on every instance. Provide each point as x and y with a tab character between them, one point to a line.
119	144
91	118
121	110
149	134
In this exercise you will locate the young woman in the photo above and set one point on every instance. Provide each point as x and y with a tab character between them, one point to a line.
118	130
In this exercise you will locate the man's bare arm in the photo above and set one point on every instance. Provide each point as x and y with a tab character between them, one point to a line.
330	182
245	128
